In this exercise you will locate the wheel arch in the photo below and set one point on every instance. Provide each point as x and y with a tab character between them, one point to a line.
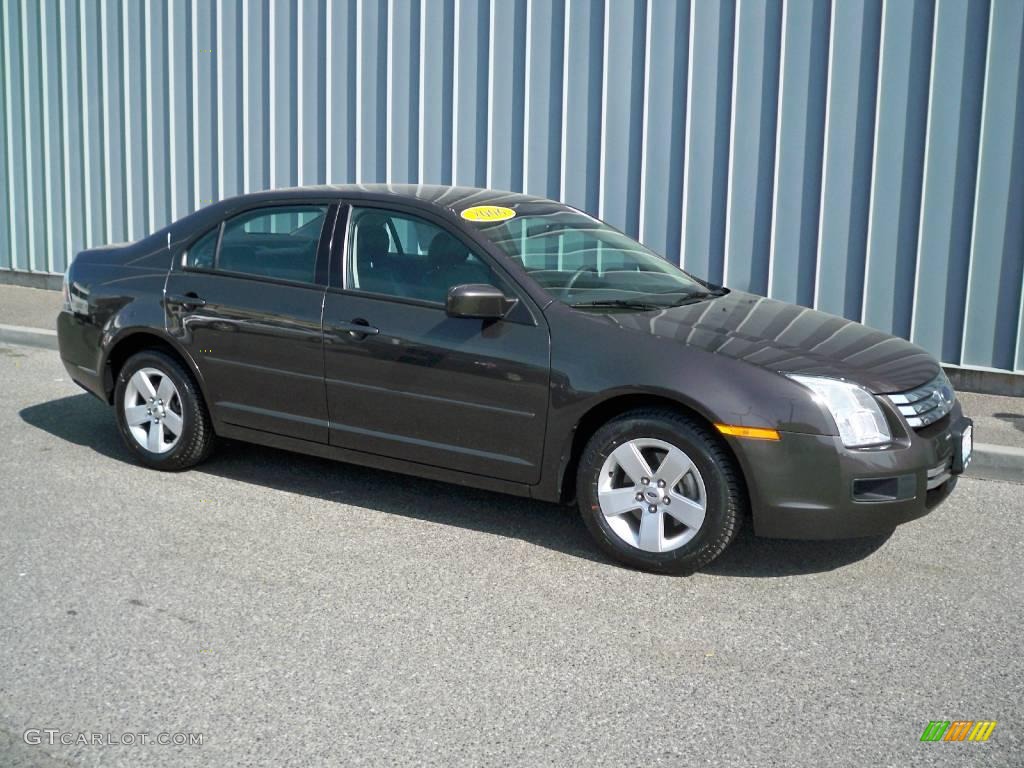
132	341
614	406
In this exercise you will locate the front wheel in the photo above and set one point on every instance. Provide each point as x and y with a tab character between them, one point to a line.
659	492
161	413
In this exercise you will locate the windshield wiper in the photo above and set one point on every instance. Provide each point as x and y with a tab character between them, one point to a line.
694	296
620	304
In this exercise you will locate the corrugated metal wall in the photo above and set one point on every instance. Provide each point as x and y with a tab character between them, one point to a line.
860	156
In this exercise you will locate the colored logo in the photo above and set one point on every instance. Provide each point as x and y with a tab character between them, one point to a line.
488	213
958	730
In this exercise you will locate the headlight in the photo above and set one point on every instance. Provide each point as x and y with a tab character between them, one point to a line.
858	417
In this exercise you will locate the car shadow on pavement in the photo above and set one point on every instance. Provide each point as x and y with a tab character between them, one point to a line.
83	420
750	556
1016	419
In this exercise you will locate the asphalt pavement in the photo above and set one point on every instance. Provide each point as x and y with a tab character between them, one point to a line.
295	611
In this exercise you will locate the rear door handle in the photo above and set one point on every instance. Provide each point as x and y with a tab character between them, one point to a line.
188	301
357	329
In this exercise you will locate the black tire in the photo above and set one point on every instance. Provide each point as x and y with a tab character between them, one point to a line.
724	489
197	437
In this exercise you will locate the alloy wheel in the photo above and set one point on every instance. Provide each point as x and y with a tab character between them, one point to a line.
152	410
652	495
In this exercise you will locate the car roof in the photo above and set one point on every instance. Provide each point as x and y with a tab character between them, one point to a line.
453	198
444	198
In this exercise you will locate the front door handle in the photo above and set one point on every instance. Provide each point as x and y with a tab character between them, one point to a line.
188	301
357	329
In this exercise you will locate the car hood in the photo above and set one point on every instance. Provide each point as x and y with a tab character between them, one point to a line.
790	339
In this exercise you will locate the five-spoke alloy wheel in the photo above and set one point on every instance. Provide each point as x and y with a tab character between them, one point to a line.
152	410
652	495
659	491
161	412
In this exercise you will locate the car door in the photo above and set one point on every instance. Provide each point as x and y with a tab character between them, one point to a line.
407	381
246	301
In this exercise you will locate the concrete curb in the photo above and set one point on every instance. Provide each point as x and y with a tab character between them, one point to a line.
990	462
29	337
997	462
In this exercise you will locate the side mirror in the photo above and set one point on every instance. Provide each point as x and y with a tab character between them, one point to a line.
478	300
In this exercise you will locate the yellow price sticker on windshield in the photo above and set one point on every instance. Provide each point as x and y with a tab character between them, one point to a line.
488	213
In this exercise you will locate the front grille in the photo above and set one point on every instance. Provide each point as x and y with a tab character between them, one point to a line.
926	404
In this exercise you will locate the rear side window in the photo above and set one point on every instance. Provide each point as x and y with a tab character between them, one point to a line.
279	242
276	242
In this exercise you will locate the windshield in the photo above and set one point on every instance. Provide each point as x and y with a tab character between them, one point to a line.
585	263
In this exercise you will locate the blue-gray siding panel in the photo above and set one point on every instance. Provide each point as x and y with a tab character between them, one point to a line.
865	157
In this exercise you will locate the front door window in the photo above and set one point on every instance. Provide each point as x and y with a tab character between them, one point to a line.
394	254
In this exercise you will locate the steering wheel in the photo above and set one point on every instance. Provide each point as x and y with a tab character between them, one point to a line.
578	274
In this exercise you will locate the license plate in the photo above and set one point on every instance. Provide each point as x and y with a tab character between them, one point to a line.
967	445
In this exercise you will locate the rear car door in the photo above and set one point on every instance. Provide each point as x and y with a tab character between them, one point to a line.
404	379
246	302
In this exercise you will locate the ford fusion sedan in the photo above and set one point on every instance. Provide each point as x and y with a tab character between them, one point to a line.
516	344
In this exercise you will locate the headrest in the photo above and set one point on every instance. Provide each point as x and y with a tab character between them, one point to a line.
446	251
371	238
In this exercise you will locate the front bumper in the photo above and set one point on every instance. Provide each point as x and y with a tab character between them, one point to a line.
812	487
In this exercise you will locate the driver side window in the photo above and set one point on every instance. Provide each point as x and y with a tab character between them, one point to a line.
395	254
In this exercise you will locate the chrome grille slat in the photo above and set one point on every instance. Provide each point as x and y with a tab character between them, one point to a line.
940	473
926	404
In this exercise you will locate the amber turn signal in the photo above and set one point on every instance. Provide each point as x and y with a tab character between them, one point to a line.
755	433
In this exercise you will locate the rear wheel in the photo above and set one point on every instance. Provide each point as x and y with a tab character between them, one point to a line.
161	413
659	492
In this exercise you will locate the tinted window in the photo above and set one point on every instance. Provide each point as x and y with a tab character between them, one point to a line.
278	242
399	255
200	255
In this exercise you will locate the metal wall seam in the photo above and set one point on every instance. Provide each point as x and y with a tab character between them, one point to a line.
985	104
730	163
301	76
950	162
564	138
8	212
246	99
389	87
150	86
644	124
53	209
421	75
491	52
173	137
602	141
757	44
66	157
830	73
527	90
90	170
219	48
28	136
995	266
113	137
848	149
707	138
191	43
403	91
127	123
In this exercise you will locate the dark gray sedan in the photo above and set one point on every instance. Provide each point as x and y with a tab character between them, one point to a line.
512	343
